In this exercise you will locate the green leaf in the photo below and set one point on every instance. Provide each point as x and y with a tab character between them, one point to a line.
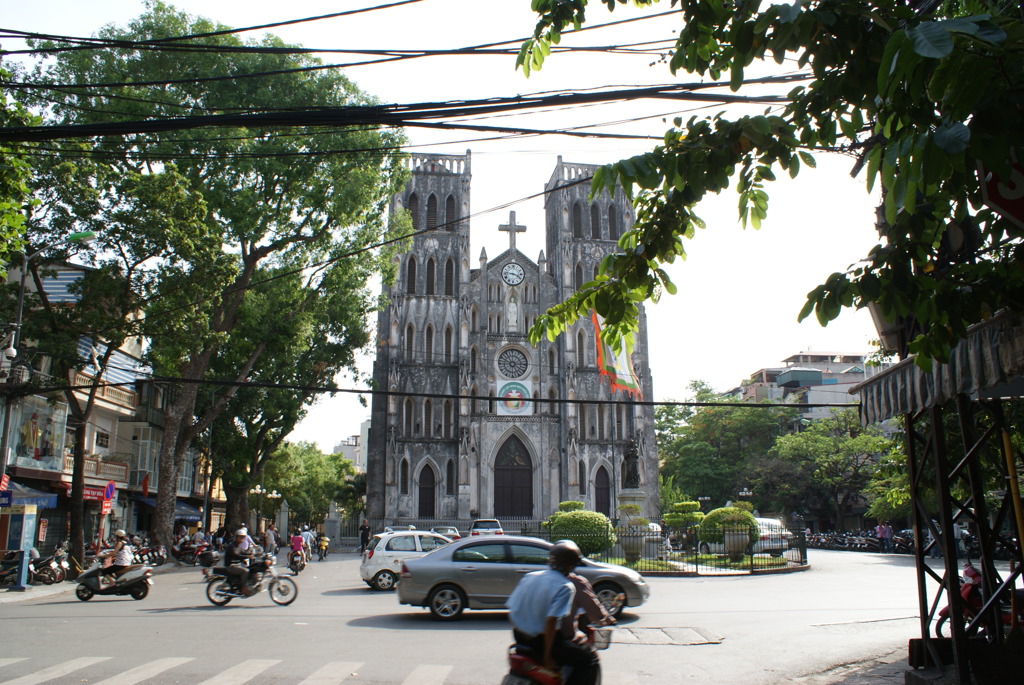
736	75
807	158
952	137
931	39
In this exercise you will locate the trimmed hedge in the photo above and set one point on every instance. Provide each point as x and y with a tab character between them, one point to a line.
727	518
591	530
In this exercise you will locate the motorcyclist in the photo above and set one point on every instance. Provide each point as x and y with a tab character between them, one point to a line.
123	555
236	560
309	539
537	607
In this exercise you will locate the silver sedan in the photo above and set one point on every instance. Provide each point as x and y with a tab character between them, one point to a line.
480	573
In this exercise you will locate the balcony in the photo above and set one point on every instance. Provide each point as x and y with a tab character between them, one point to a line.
114	395
95	467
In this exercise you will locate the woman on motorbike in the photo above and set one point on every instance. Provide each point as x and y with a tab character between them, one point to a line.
123	556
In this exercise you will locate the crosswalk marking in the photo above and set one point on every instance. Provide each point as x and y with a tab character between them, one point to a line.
140	673
56	671
242	673
332	673
428	675
14	660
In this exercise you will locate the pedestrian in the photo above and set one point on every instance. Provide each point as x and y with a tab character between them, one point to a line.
880	535
270	539
888	537
364	536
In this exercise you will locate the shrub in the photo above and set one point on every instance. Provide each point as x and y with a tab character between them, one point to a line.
728	518
591	530
684	515
570	505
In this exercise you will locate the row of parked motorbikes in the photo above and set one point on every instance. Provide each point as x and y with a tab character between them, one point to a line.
1003	549
41	570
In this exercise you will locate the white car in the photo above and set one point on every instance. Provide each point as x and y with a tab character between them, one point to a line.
384	554
774	539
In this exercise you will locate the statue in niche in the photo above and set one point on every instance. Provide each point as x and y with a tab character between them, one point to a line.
572	442
392	441
631	466
570	374
512	311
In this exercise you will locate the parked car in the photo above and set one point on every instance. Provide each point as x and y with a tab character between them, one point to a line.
774	539
447	531
480	573
384	554
486	527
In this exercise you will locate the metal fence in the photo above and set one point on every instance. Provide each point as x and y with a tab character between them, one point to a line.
680	551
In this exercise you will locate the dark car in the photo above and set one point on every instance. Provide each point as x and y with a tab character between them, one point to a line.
481	572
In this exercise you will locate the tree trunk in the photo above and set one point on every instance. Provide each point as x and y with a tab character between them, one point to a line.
237	507
166	496
77	513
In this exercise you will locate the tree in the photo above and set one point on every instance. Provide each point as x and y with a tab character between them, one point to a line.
923	93
309	480
273	200
838	453
15	197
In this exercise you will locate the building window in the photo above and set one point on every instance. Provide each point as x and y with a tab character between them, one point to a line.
450	216
410	276
403	477
472	320
577	221
578	277
613	223
431	272
449	477
414	210
552	395
583	422
448	335
449	277
581	354
536	396
600	421
407	418
490	402
582	477
102	440
432	211
428	418
472	360
551	361
449	416
595	222
428	345
410	347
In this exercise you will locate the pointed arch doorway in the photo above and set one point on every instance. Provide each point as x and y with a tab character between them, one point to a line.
427	492
513	480
603	492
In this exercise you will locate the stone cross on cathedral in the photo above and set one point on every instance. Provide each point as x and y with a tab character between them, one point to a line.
512	228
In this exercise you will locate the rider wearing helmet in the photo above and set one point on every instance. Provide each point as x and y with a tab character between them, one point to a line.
537	606
236	559
123	557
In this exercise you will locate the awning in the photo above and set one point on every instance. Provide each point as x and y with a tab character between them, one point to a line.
988	363
25	495
182	510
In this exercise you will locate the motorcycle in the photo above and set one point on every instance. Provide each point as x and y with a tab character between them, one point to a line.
187	552
296	561
526	667
135	580
224	586
322	547
970	592
44	570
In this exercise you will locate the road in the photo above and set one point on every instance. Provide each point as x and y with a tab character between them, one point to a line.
753	630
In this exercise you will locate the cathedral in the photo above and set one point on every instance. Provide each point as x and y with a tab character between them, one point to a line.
476	422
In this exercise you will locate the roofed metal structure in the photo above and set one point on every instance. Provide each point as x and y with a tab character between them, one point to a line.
984	370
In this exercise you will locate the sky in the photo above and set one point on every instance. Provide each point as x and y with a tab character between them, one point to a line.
740	290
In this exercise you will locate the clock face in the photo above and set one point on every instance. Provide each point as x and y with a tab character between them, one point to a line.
513	273
512	363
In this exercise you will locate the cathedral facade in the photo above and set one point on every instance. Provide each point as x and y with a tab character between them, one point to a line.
476	422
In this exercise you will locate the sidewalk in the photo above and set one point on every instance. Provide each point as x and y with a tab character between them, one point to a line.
37	591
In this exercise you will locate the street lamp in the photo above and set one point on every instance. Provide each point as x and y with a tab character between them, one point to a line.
745	492
703	501
260	491
12	352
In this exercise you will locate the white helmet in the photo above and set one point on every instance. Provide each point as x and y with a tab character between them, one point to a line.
241	531
119	533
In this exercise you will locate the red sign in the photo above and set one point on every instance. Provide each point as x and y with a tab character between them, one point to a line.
42	529
88	492
1005	196
110	490
106	507
4	482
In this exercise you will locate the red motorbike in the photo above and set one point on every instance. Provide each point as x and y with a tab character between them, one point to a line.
970	592
526	667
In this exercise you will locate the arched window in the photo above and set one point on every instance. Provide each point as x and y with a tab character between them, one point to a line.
432	211
428	418
449	416
490	401
581	353
414	210
410	346
595	412
428	345
595	222
596	271
448	345
551	361
613	223
410	276
582	477
472	360
449	277
475	403
403	477
577	280
427	491
602	492
449	474
407	418
472	319
600	422
450	216
431	273
577	221
583	422
552	395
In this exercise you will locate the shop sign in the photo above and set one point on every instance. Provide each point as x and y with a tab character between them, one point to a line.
88	492
6	498
106	507
42	529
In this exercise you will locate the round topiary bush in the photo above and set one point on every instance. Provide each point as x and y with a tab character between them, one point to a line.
570	505
591	530
684	515
727	518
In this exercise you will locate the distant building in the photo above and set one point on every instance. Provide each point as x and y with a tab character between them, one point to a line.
457	436
352	449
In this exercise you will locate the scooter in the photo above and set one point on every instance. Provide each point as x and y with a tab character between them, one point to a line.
322	547
526	667
296	561
970	593
135	580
